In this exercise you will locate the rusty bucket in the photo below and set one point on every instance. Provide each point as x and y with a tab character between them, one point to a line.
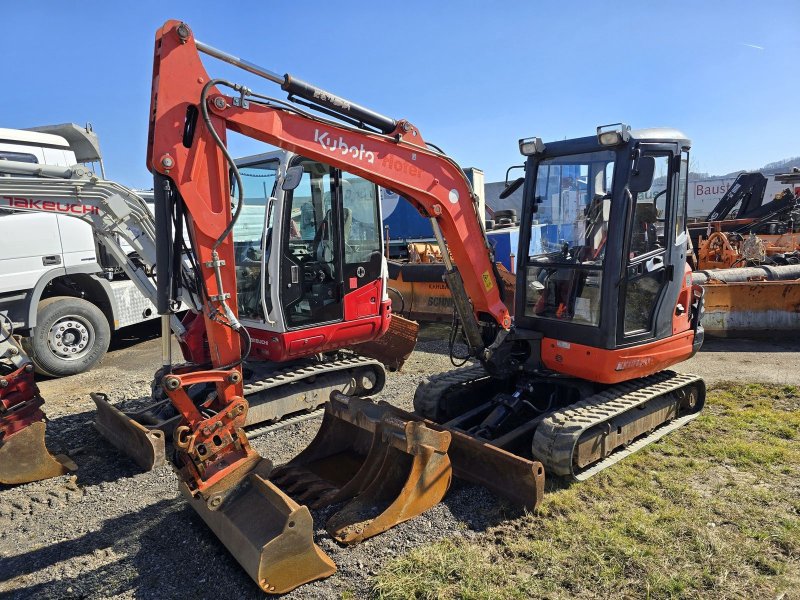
395	346
25	458
268	533
386	468
145	445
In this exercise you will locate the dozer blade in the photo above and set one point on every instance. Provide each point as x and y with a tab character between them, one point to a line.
267	532
144	445
25	458
516	478
395	346
390	469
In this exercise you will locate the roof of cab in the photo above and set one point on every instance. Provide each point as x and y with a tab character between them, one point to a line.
661	134
32	137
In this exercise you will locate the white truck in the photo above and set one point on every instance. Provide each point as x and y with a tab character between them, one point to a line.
59	287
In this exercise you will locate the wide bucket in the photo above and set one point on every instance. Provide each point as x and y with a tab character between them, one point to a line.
145	445
387	469
25	458
269	534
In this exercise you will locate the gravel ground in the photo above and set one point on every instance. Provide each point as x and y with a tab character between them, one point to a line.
111	531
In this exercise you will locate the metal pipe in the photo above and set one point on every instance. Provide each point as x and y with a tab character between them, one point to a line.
240	62
745	274
34	169
297	87
166	343
460	299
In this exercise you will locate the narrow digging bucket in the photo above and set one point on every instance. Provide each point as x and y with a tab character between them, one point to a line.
395	346
145	445
269	534
25	458
389	469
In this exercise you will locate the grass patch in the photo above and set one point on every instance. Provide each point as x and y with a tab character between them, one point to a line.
710	511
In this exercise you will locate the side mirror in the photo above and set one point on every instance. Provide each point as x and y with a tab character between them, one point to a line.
292	178
642	175
511	188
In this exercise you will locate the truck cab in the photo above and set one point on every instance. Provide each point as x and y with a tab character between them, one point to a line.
59	288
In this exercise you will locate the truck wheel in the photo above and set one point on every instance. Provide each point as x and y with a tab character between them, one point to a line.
71	336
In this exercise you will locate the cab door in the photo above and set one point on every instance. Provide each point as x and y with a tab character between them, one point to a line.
311	249
363	245
651	281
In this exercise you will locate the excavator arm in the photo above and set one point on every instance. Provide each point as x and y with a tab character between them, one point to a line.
195	177
181	146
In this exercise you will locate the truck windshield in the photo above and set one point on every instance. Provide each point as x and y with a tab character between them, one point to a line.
568	236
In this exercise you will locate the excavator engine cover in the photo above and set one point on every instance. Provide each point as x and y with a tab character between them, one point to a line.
386	468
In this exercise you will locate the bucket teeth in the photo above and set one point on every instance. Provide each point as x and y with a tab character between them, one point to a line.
268	533
385	468
146	446
25	458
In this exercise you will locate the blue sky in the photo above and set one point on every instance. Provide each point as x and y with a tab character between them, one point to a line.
473	76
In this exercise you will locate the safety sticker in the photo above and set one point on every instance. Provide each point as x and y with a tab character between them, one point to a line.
487	281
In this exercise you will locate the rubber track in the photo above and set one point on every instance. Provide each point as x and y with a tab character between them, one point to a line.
429	394
289	375
556	437
258	431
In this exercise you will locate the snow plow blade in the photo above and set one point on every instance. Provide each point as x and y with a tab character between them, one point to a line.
269	534
146	446
386	468
25	458
395	346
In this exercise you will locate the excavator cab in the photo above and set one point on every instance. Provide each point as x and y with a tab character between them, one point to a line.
589	201
604	303
308	255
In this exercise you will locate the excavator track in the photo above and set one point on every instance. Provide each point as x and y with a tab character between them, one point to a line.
266	406
428	397
556	439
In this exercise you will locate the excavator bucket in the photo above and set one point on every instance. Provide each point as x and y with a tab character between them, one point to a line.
395	346
386	468
25	458
268	533
146	446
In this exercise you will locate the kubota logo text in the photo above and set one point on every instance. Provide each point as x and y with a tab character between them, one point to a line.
334	145
49	206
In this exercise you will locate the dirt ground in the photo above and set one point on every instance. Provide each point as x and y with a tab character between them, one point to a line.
111	531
